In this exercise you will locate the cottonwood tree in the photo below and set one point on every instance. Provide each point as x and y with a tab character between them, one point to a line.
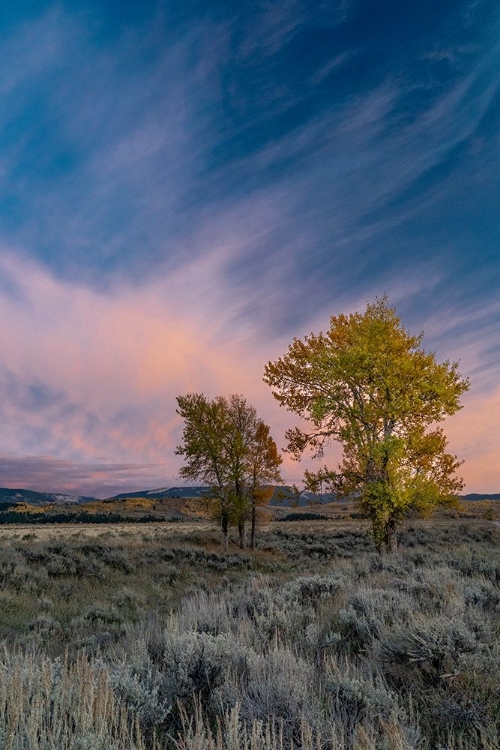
226	446
369	385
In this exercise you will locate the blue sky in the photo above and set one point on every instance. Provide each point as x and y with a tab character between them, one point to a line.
187	186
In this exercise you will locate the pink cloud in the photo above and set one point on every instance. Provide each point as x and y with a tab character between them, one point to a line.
474	436
87	375
113	363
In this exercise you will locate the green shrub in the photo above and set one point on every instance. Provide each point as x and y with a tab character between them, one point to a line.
304	516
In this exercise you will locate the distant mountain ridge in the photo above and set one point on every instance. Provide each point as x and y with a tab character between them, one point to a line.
41	498
283	495
477	496
164	493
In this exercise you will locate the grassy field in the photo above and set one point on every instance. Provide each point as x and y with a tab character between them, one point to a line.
150	636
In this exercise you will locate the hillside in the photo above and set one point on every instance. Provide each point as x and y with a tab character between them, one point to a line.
40	498
164	493
167	501
477	496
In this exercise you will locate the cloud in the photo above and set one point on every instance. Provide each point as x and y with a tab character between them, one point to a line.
48	474
465	333
89	380
474	437
102	143
86	374
179	200
138	162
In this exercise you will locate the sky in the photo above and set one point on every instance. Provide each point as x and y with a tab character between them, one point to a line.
186	186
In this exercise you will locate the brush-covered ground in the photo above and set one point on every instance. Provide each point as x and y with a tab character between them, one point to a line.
186	509
151	636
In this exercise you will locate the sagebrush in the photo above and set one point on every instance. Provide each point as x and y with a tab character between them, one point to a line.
314	641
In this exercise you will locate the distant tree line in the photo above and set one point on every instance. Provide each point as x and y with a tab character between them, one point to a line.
16	517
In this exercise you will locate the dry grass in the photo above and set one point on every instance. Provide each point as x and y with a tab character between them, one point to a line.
45	705
475	513
48	532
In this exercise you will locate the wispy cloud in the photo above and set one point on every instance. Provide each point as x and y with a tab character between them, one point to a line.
113	146
138	191
86	374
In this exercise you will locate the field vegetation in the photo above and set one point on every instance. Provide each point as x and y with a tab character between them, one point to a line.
113	510
139	637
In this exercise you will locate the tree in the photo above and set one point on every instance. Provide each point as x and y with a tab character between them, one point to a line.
369	385
241	420
227	447
205	423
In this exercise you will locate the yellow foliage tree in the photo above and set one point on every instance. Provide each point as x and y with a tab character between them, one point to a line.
226	446
369	385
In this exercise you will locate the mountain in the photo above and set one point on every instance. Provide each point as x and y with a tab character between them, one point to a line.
476	496
164	493
40	498
282	495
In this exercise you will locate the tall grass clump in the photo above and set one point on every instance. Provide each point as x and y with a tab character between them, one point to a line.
54	705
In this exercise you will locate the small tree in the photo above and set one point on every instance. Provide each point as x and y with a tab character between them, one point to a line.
227	447
205	424
369	385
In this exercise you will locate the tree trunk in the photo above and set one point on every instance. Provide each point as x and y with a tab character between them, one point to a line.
241	532
225	529
391	541
254	522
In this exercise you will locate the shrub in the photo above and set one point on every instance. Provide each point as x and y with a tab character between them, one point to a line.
304	516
